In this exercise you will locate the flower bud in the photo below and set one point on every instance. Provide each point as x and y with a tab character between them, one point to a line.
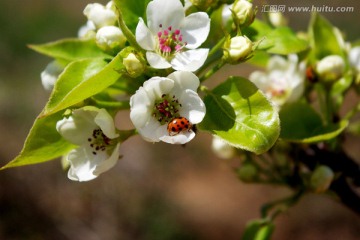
321	178
133	65
100	15
277	19
222	149
330	68
354	58
110	38
50	75
87	30
243	12
237	48
248	172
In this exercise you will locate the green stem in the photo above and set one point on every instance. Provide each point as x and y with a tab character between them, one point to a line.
281	205
323	93
211	59
212	71
328	107
218	46
126	31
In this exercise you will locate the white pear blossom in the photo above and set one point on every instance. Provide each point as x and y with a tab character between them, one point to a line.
330	68
283	82
50	74
93	130
162	99
354	58
170	38
101	15
109	38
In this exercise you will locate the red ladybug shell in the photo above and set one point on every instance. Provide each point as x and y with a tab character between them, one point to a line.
177	125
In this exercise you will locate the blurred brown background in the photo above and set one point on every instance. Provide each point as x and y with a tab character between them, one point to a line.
156	191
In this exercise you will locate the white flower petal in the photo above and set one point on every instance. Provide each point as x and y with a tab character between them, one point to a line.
354	58
82	164
85	166
195	29
50	75
77	127
144	36
156	61
184	80
277	62
193	108
172	14
157	86
190	60
110	162
181	138
106	123
149	131
140	104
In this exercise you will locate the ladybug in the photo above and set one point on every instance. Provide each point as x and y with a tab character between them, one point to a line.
178	125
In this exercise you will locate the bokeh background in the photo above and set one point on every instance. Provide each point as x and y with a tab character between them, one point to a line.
156	191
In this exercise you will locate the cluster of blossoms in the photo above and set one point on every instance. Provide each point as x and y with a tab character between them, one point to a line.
164	108
152	62
167	106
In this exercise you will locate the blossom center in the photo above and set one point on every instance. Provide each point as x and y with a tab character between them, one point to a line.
169	41
166	108
98	141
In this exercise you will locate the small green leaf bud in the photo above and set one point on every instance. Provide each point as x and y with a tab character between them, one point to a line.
330	68
133	65
248	172
321	178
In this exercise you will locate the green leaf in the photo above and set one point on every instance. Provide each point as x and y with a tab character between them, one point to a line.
323	39
240	114
70	49
258	230
81	80
42	144
257	30
131	11
259	58
301	123
282	40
